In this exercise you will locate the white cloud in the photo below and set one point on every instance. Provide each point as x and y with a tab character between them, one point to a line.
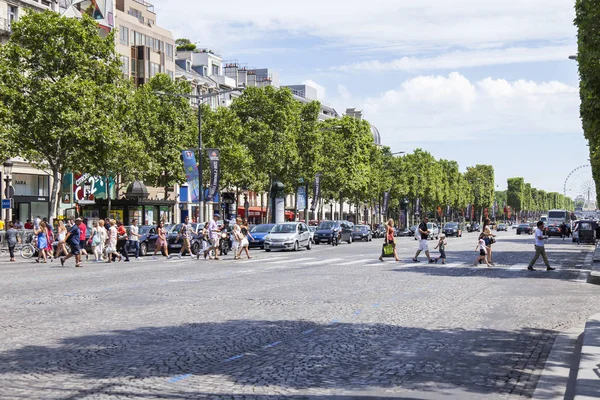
407	27
321	91
441	108
465	59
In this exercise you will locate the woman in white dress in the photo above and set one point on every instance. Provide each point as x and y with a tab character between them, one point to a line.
112	242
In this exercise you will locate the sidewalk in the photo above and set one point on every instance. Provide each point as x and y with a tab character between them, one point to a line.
587	385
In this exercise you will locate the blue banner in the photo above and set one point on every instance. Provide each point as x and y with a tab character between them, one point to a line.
191	174
301	202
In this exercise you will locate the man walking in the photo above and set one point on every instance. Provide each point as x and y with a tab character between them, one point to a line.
539	248
73	239
423	232
134	238
213	235
186	234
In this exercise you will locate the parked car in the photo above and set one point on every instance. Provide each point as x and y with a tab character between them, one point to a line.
258	235
312	230
502	227
524	228
433	231
452	229
327	231
362	232
288	236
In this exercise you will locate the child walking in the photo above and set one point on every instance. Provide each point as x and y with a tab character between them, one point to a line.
442	246
482	252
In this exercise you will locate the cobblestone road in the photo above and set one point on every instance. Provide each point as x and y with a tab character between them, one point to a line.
330	323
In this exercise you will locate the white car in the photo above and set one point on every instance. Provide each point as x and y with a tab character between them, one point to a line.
288	236
433	231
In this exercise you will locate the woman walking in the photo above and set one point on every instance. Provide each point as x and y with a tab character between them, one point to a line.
489	239
49	242
61	248
12	237
111	249
161	242
245	242
237	238
42	241
481	247
95	241
102	237
389	239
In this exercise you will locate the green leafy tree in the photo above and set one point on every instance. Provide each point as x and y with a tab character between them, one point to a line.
60	79
166	125
514	193
481	178
587	17
185	45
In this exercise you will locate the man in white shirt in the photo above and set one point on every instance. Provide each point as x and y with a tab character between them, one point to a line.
539	248
134	238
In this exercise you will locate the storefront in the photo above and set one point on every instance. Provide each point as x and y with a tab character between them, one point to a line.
256	215
32	196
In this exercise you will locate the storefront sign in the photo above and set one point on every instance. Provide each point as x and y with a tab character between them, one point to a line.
215	164
7	204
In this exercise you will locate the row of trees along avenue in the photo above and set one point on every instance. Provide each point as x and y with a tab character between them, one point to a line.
66	107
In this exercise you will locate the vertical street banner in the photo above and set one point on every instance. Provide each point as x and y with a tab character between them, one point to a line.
301	200
418	206
469	211
316	192
215	173
191	174
386	202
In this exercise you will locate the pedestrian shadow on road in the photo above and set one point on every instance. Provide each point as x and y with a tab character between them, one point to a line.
177	361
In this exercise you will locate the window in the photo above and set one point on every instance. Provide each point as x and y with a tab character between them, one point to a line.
124	35
13	15
215	69
154	69
125	65
140	39
169	50
133	67
170	73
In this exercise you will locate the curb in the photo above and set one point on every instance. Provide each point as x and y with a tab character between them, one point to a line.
558	377
587	385
594	276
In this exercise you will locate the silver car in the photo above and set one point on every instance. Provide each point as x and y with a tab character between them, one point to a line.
288	236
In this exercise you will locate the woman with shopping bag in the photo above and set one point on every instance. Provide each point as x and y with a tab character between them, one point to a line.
389	245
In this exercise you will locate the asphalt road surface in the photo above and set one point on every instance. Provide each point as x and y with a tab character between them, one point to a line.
330	323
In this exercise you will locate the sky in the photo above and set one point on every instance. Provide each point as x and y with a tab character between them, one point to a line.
479	82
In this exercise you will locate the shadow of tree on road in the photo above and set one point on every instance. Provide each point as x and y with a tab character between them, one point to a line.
299	355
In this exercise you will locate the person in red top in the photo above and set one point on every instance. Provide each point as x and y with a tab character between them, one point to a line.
28	224
82	233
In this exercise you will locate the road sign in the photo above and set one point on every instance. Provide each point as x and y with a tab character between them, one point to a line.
7	204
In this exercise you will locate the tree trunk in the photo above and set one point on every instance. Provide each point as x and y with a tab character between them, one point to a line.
269	199
341	207
108	198
53	196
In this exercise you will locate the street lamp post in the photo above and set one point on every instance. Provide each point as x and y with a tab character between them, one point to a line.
7	170
199	99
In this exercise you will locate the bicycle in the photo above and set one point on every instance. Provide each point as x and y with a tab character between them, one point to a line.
26	250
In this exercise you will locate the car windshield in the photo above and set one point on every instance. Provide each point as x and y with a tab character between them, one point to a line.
169	228
524	226
327	225
262	228
501	226
451	225
312	228
144	229
359	228
284	228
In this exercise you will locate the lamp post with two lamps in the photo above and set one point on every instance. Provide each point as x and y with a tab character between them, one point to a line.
199	99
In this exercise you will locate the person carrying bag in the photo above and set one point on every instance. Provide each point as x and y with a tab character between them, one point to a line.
389	245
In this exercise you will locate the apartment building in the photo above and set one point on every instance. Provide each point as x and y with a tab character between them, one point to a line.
12	10
145	48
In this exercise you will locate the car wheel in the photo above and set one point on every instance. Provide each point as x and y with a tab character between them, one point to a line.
296	246
350	240
195	248
317	242
268	250
309	245
143	249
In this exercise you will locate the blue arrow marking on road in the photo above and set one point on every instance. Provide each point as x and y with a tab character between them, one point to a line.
272	345
179	378
308	331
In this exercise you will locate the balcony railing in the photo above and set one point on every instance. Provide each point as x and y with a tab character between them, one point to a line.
4	26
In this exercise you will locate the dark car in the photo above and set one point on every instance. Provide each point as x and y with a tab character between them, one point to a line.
524	228
502	227
362	232
258	235
403	232
474	227
452	229
379	231
553	230
330	230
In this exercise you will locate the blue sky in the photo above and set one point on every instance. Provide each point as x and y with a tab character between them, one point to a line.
478	83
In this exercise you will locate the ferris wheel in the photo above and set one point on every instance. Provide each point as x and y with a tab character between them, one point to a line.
580	186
